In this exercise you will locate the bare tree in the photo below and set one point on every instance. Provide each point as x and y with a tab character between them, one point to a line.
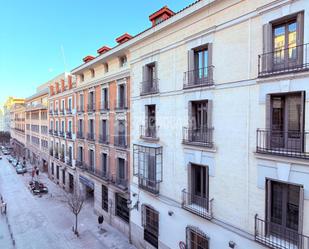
75	202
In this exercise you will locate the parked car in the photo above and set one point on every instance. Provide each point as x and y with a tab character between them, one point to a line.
14	162
37	187
0	157
5	152
20	169
10	158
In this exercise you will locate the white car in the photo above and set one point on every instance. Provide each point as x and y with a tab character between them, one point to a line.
0	157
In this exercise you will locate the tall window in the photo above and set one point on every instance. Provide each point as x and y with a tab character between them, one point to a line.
62	126
283	209
104	164
81	102
196	239
123	61
70	104
199	185
150	222
150	127
121	174
62	105
80	154
105	198
104	104
69	126
91	159
122	209
121	104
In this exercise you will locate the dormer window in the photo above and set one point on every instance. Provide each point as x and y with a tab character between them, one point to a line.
123	61
160	15
92	73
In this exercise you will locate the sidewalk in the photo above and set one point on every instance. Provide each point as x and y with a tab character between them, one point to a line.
5	237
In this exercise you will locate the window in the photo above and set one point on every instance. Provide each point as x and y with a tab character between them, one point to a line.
286	121
62	126
122	210
70	126
81	77
81	102
123	61
105	67
147	163
80	154
57	173
105	198
52	168
120	139
121	104
284	202
104	99
104	164
63	177
121	170
70	156
91	159
196	239
104	131
199	185
92	72
149	84
150	127
62	105
150	222
70	104
57	126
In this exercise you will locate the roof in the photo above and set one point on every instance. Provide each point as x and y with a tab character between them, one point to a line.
134	38
38	94
103	49
161	11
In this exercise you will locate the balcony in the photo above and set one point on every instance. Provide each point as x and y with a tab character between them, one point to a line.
276	236
103	139
121	183
80	135
55	133
56	112
90	137
69	111
149	185
69	134
104	107
56	155
80	110
61	133
62	158
198	205
51	152
285	60
149	132
198	77
120	141
149	87
121	105
280	143
51	112
100	174
91	107
69	162
62	112
198	136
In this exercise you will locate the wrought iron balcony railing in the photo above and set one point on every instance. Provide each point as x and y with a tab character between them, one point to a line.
198	136
69	111
149	132
277	236
90	136
56	155
289	144
103	139
51	112
199	205
51	132
149	87
284	60
56	112
55	133
104	107
69	134
62	158
120	141
62	112
69	162
80	135
91	107
121	104
61	133
149	185
121	183
198	77
80	109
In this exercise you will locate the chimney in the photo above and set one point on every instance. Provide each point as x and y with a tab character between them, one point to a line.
70	81
160	15
103	50
124	38
51	90
88	58
57	87
62	86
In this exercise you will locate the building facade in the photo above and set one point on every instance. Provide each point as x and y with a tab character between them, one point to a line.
37	128
9	103
218	127
103	132
17	131
62	131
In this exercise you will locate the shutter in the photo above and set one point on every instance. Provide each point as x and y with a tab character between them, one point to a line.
301	210
267	207
209	114
302	119
107	100
143	215
267	48
145	73
300	37
191	60
135	160
268	112
209	63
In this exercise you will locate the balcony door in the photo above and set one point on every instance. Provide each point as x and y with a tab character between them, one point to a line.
284	205
150	121
287	125
199	185
121	170
200	120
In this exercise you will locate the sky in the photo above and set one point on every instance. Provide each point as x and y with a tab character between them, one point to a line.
40	39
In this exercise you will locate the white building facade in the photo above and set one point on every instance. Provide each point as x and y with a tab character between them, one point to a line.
218	127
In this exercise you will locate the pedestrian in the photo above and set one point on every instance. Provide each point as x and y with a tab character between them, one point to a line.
100	221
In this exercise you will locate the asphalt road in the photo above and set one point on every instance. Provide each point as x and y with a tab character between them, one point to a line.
46	222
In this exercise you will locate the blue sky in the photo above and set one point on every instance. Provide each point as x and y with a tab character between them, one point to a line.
40	39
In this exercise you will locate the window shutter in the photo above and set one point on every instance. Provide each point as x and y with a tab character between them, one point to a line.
209	62
268	200
209	114
302	118
143	215
191	60
300	37
107	100
156	70
301	210
268	112
267	48
145	73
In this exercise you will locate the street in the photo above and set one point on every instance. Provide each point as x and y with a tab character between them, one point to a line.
46	222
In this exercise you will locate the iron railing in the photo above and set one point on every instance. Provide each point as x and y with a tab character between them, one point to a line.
120	141
284	60
69	162
198	136
149	185
122	183
51	132
91	107
80	109
56	112
80	135
198	77
99	173
62	112
69	134
69	111
55	133
149	87
201	206
103	139
61	133
283	143
276	236
90	136
104	107
121	104
149	132
51	112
